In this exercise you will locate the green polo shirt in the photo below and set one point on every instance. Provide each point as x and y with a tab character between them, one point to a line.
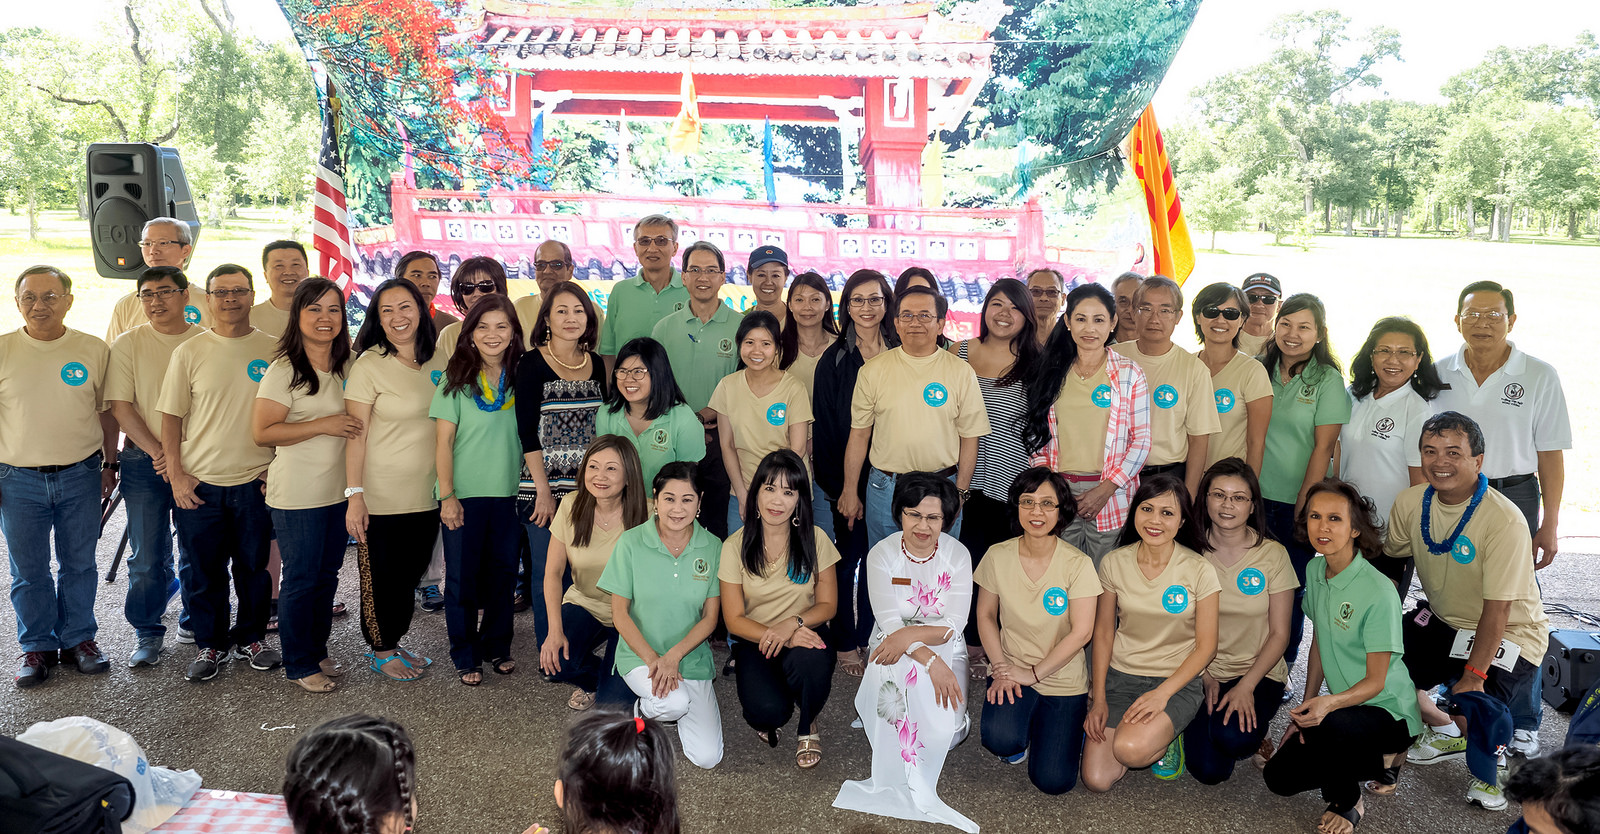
1314	397
488	454
634	307
667	594
676	435
701	353
1355	613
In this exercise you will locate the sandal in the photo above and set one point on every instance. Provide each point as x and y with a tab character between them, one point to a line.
378	665
1387	784
463	673
979	669
1351	816
339	610
330	667
417	661
312	684
580	700
809	753
503	665
769	739
851	663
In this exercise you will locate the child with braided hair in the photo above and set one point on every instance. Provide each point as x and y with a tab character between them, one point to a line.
352	775
616	774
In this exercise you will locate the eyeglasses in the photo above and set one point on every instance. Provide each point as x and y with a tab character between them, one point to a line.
1474	316
485	287
229	292
151	295
550	266
157	244
1040	294
873	301
703	270
1403	354
1229	313
1029	505
936	519
660	242
1255	298
634	374
919	318
28	299
1165	311
1221	497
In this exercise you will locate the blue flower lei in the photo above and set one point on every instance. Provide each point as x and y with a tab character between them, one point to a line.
1441	548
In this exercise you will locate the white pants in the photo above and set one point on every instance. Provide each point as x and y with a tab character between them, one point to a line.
693	705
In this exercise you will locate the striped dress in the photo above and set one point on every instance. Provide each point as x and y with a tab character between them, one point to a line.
1001	455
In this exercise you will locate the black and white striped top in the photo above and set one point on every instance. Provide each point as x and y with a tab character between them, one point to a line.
1001	455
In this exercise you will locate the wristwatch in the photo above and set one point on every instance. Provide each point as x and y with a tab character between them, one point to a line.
799	621
110	465
964	494
352	491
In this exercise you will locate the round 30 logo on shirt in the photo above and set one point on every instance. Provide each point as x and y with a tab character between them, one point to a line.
1055	601
191	314
1175	599
1101	396
935	394
1165	396
1252	582
1225	400
436	376
257	369
777	412
1463	551
74	374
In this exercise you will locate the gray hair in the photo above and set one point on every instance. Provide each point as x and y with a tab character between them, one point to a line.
1159	282
184	237
657	220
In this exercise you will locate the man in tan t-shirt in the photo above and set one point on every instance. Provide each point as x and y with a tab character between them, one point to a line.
164	242
916	408
1183	409
139	360
283	267
55	443
215	471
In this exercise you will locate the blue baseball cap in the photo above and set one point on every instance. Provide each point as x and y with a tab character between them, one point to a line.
767	255
1489	731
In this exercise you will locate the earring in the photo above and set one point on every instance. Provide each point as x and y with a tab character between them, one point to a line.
795	519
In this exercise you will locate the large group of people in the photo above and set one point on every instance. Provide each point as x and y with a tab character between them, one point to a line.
1118	539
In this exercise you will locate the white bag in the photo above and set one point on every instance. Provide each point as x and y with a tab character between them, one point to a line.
158	792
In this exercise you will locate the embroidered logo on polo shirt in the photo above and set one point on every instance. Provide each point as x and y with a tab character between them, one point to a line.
256	369
191	314
1252	582
777	412
1175	599
74	374
1164	396
658	439
1463	551
702	569
1225	400
1055	601
436	376
935	394
677	306
725	347
1382	428
1101	396
1346	611
1308	395
1513	394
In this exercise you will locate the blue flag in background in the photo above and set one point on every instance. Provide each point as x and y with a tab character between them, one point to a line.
766	164
541	170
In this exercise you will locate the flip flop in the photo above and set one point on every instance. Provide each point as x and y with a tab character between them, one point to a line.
580	700
309	684
417	661
378	666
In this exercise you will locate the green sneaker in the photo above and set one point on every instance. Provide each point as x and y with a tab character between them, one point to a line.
1170	766
1486	795
1433	747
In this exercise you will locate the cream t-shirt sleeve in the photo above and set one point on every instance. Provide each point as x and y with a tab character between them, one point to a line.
799	402
176	397
864	400
275	384
119	374
1397	541
972	420
561	527
1280	571
1254	383
362	384
1203	577
1201	415
1084	582
730	568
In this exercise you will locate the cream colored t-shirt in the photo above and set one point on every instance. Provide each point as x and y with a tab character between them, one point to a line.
775	597
308	474
267	318
51	396
804	369
587	562
139	360
1034	614
1182	401
1083	409
1155	617
1241	382
919	409
760	425
1242	625
1491	559
212	383
1252	345
398	474
129	312
447	341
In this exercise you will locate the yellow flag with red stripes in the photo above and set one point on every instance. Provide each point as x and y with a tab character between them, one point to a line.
685	135
1169	234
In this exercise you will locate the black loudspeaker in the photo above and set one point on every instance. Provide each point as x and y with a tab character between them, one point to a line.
1571	667
130	184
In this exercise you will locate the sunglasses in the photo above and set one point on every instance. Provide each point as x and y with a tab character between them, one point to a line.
1229	313
1261	299
485	287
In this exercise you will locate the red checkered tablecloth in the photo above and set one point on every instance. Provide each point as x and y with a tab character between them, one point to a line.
230	812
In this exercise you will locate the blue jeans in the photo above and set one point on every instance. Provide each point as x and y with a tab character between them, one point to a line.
1280	523
312	543
52	612
1529	713
852	625
480	565
581	668
879	509
822	510
148	501
735	519
231	529
1049	727
538	556
1211	745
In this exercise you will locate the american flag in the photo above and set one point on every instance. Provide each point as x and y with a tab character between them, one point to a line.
330	217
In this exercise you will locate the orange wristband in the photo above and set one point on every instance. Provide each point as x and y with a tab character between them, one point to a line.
1483	675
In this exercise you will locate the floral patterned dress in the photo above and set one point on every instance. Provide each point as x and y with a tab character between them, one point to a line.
910	733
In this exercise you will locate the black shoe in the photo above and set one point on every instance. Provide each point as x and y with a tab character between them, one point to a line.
519	604
32	670
87	657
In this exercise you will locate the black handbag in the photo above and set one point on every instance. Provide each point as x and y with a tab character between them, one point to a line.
46	793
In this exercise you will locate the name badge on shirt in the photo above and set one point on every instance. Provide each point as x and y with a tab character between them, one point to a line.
900	580
1505	657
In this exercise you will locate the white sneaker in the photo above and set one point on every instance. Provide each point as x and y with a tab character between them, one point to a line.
1433	747
1525	743
1487	795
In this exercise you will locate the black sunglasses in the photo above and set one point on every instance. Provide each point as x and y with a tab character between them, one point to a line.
1254	298
1229	313
485	287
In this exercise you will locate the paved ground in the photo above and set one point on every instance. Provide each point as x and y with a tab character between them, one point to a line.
486	756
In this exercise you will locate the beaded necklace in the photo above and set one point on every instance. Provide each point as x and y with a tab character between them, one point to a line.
1441	548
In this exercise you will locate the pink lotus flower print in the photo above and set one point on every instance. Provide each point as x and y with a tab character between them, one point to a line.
909	745
911	676
928	599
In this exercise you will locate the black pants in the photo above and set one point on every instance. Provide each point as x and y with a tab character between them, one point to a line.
581	668
1337	755
397	552
852	624
1211	746
986	522
480	563
770	688
714	488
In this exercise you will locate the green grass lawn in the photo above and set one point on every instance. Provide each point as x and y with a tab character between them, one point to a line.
1359	279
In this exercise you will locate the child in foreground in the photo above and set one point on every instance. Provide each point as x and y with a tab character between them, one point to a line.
616	775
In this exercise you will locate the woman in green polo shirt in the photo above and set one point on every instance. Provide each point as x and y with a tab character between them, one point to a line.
645	405
665	599
479	457
1309	406
1370	711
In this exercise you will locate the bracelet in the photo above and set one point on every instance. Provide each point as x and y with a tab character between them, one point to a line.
1483	675
446	497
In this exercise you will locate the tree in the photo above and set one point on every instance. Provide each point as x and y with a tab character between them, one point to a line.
1276	205
1214	202
279	153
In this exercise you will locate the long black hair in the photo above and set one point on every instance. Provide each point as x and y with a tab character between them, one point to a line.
847	325
790	340
617	774
1364	378
1059	354
292	344
372	334
351	775
1321	352
664	390
1025	347
1231	467
1164	483
465	362
782	469
756	320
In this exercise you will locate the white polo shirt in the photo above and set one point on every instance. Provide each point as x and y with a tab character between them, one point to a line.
1380	442
1520	408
